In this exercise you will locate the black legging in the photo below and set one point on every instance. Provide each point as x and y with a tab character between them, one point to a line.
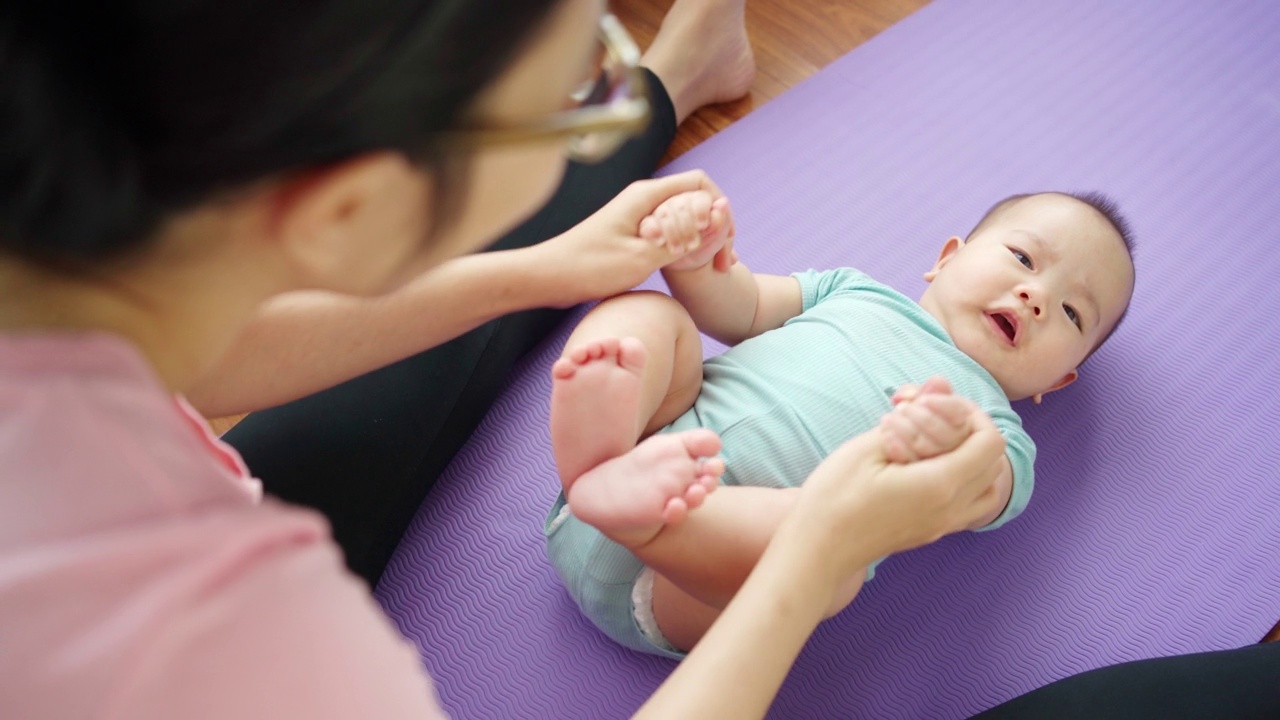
1239	684
366	452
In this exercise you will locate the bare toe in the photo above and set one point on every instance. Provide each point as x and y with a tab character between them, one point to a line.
675	511
694	495
593	350
632	497
595	395
702	443
632	354
712	467
563	369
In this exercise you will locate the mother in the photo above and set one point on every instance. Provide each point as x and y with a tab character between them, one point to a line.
168	167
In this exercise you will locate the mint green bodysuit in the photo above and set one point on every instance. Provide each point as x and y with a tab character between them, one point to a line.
784	400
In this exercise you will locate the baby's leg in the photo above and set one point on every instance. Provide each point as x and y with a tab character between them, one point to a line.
631	498
702	562
633	364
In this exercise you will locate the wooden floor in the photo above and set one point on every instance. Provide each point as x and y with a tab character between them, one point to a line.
792	40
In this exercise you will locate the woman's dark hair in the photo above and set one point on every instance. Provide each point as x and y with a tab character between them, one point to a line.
114	116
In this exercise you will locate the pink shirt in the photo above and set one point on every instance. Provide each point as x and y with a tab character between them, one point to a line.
141	578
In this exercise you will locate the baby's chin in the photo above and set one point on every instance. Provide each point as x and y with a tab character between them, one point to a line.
1016	391
1013	394
1013	390
1015	387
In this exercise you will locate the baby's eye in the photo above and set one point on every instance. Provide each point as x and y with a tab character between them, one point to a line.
1073	316
1023	258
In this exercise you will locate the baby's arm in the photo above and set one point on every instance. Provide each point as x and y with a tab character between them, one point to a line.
730	303
930	421
1001	486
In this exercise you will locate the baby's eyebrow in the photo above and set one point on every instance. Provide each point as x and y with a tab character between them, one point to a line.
1042	246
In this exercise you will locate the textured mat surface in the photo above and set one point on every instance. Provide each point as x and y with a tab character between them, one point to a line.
1155	527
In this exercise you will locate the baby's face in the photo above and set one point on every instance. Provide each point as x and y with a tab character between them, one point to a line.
1032	292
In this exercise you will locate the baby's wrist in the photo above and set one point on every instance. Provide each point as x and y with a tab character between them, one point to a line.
671	270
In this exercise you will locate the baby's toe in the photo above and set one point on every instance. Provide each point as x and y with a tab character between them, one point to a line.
675	511
694	495
563	369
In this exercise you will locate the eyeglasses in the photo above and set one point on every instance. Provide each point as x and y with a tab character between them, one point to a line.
609	108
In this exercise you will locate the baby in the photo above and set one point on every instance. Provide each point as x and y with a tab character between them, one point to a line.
647	552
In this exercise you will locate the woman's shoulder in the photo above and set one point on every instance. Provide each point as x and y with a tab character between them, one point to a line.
243	611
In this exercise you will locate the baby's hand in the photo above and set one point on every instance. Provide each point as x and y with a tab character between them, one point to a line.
925	422
694	226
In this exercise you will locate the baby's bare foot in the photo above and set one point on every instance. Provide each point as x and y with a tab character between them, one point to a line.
702	54
595	396
631	498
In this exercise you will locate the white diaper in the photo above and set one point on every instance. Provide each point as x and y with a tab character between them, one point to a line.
642	610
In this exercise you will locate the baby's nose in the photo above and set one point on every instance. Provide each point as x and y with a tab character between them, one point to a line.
1030	300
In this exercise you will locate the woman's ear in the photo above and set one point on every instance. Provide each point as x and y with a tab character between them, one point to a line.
349	227
949	249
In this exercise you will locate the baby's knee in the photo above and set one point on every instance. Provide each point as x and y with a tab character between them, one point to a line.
649	305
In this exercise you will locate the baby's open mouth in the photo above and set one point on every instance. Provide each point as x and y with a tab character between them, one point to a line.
1006	323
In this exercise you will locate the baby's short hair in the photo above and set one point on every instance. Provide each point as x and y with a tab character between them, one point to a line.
1108	208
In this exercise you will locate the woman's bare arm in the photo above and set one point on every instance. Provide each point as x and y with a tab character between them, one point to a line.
737	668
302	343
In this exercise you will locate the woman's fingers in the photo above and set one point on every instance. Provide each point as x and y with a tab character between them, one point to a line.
644	196
651	228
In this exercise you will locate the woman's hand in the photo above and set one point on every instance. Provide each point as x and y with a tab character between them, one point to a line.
604	255
857	506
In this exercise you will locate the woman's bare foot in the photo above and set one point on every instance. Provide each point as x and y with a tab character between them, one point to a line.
702	54
632	497
595	398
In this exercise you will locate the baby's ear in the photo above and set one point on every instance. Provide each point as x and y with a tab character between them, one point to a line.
1064	381
949	249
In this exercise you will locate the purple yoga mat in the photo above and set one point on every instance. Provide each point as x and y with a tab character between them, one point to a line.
1155	526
